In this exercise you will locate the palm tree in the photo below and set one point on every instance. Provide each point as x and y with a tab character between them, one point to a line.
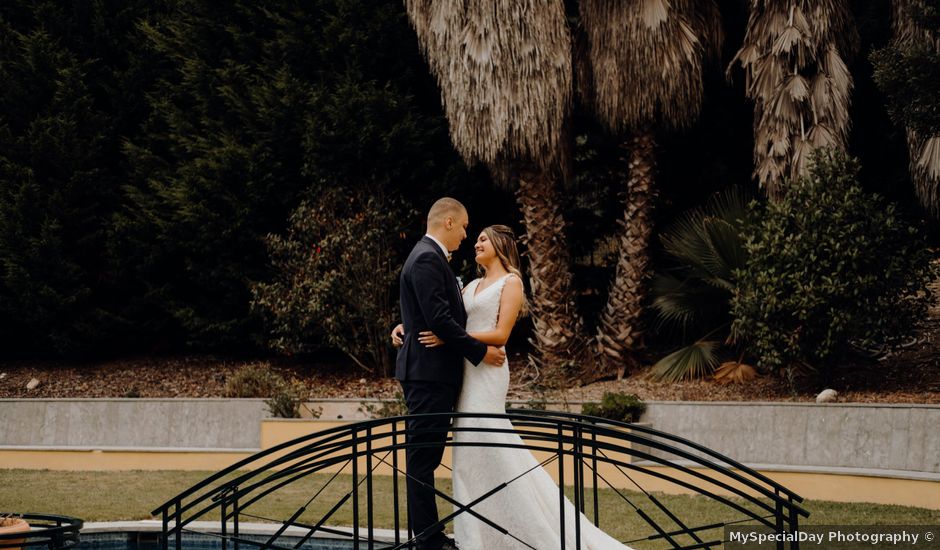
504	69
924	149
643	68
793	58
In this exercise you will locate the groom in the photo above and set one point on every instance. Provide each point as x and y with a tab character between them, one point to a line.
431	377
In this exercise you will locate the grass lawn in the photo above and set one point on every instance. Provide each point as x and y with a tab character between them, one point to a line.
99	496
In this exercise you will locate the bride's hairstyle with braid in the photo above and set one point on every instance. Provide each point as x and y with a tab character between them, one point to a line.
504	243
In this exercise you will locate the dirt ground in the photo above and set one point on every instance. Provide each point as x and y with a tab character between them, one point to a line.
911	375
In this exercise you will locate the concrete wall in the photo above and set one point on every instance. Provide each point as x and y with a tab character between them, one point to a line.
903	438
132	423
867	436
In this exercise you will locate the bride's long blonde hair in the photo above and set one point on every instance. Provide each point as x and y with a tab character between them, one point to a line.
504	243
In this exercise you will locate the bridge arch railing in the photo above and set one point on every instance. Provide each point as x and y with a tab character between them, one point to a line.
355	480
42	532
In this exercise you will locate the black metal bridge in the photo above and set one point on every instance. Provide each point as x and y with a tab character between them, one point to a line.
354	476
45	532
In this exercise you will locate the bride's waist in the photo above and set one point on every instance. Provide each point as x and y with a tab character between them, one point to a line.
503	365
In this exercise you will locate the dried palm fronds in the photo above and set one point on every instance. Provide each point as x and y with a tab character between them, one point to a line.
504	69
734	372
794	61
646	58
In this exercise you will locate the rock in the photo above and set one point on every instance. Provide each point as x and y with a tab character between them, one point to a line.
362	380
32	384
827	396
3	375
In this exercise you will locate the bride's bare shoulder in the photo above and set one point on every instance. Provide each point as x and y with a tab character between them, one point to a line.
513	284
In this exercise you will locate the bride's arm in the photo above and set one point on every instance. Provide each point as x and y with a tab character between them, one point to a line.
509	305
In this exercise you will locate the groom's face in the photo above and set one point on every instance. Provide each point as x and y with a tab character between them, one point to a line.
456	227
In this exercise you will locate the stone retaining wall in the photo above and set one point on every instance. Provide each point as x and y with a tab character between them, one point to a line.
131	423
867	436
836	436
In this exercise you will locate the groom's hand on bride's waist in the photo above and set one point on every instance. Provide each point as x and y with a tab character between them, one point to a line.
494	356
398	334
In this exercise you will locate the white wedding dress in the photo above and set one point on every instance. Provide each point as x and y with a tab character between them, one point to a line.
527	507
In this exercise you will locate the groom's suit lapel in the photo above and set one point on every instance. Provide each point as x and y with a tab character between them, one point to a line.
450	272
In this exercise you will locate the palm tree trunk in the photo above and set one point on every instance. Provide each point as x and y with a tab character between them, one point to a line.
558	341
619	333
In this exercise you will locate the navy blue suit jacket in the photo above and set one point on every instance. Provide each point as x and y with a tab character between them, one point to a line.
431	300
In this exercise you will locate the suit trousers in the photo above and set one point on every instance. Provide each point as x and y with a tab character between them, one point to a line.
424	453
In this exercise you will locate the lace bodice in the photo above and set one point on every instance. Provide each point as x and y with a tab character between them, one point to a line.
483	307
484	386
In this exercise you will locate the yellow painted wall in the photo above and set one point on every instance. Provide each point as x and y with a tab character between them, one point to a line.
99	460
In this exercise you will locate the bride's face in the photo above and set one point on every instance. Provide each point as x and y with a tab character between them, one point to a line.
485	253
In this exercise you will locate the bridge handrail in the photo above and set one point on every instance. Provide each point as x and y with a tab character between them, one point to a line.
523	417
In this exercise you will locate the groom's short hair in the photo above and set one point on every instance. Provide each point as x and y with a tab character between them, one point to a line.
442	208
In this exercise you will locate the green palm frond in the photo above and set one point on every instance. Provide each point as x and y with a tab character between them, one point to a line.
708	239
691	362
673	302
681	303
688	244
726	252
729	205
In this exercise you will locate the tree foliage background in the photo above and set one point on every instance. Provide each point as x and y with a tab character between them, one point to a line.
148	148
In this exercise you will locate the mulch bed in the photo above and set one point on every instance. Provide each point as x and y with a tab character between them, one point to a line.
911	376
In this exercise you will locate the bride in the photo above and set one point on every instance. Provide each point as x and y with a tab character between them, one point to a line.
528	506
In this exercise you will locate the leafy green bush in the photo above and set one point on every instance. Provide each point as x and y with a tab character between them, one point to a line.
255	380
616	406
335	276
287	399
258	380
829	266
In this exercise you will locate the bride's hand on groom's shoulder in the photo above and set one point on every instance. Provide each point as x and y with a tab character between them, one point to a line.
429	339
398	333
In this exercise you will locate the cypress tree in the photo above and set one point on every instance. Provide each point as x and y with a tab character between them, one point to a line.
265	104
68	97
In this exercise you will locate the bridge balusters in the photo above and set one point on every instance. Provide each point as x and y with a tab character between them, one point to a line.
369	487
224	511
395	482
235	513
561	484
355	488
597	517
578	467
